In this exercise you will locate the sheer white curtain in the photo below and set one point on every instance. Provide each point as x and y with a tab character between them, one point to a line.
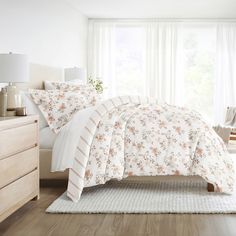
160	62
101	54
225	82
163	66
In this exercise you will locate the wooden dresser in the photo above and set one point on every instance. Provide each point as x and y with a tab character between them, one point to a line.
19	163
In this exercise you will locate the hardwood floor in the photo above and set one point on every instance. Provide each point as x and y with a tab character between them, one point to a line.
31	220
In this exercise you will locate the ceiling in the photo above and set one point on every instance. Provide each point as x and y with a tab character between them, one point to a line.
156	8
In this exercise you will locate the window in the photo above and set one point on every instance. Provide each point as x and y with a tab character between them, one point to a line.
130	60
199	52
172	61
198	57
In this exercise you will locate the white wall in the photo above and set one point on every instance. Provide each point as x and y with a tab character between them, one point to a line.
51	32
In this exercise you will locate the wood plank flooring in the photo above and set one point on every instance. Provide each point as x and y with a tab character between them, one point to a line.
31	220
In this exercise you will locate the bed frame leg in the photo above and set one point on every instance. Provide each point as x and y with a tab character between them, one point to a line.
210	187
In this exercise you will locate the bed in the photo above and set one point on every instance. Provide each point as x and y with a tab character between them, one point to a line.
125	136
38	74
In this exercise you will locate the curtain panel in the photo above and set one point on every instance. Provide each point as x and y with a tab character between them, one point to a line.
101	54
225	78
163	72
161	78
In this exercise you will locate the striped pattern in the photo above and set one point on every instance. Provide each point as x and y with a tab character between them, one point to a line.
77	173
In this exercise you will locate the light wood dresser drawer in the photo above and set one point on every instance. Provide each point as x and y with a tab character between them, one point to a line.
18	165
17	139
18	193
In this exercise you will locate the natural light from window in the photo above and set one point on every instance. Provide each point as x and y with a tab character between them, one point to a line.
130	60
199	51
198	62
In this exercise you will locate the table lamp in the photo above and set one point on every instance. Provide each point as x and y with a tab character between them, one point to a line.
14	68
75	73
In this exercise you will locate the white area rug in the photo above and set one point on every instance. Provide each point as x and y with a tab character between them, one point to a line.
186	196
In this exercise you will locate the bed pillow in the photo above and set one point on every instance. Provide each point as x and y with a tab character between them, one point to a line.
48	85
32	108
86	90
58	106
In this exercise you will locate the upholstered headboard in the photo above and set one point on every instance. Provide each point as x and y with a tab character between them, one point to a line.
40	73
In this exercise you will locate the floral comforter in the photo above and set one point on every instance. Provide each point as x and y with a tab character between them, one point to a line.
133	136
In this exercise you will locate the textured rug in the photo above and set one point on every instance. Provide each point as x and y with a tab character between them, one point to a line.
147	197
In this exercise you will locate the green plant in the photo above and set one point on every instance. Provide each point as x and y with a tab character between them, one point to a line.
97	84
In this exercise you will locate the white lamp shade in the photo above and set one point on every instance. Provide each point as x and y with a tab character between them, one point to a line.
14	68
75	73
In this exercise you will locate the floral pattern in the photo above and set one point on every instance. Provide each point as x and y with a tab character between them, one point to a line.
58	106
86	90
136	139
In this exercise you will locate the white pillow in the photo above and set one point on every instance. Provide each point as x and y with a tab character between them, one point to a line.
32	108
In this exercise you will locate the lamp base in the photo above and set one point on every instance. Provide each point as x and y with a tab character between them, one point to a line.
13	97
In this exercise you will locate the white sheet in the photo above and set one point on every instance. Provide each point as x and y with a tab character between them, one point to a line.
66	141
46	138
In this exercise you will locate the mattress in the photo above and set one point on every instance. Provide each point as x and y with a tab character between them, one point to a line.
46	138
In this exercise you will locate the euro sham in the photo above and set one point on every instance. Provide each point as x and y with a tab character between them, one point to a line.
58	106
86	90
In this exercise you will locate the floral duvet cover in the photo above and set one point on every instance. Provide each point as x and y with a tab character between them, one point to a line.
134	136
